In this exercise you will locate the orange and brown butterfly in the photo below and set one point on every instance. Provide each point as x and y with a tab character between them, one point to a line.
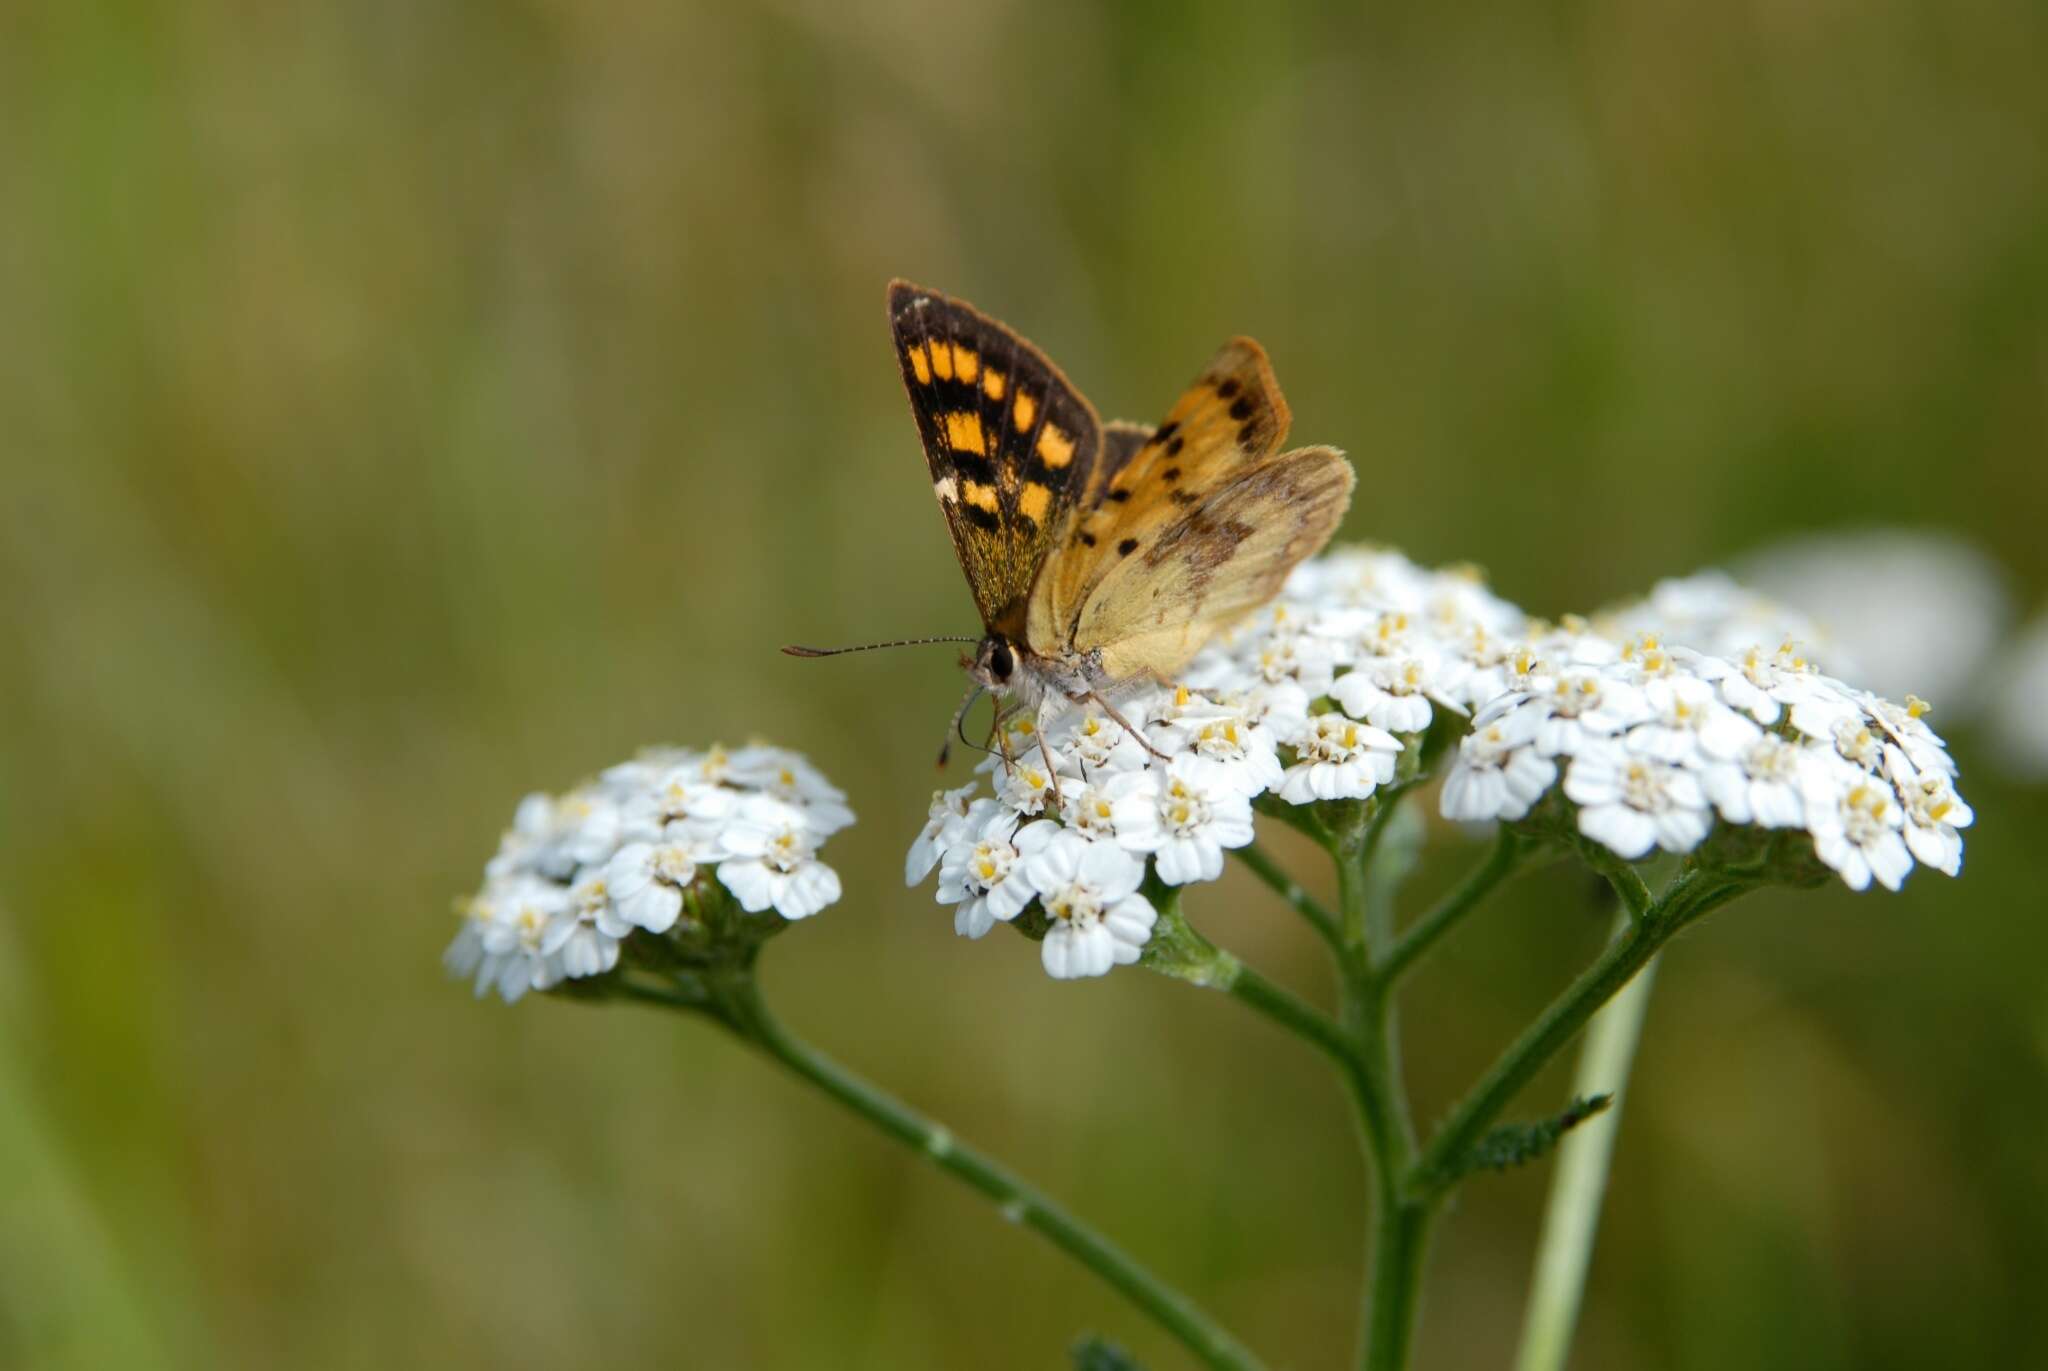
1103	555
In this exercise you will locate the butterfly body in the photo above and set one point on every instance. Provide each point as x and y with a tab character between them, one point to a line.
1104	556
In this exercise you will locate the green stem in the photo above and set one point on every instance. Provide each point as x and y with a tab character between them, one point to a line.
1267	870
1376	899
1400	1242
1290	1012
1576	1189
1421	935
1401	1221
741	1004
1559	1023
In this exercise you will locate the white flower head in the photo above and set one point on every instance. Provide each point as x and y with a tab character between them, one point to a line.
1934	813
1389	692
986	878
1761	786
1088	742
672	796
1090	895
1118	807
1028	786
789	776
1198	811
646	882
573	944
1632	803
774	863
1228	734
946	822
1499	772
1588	704
1290	653
503	927
1338	758
1855	819
1690	722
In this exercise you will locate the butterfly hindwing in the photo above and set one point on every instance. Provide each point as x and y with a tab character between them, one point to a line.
1232	418
1010	443
1223	558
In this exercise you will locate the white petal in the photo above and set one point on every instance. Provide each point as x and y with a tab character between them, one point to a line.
1629	832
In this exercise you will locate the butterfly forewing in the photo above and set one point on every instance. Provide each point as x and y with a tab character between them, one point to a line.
1010	443
1232	418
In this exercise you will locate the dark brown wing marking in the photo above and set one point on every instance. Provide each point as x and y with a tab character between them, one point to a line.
1010	442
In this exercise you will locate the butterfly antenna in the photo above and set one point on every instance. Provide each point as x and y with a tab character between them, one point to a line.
799	650
959	726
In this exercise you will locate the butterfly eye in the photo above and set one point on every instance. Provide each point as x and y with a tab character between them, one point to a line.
1000	662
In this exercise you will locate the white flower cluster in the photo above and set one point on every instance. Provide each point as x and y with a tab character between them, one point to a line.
1655	742
1320	695
576	873
1343	673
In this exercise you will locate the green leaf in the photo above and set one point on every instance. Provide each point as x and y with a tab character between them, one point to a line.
1093	1353
1516	1144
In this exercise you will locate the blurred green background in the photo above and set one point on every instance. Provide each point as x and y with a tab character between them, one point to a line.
406	405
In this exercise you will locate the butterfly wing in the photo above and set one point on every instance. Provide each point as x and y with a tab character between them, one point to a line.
1230	420
1225	556
1011	444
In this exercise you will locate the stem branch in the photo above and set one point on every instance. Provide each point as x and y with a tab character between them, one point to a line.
1560	1021
1267	870
741	1004
1421	935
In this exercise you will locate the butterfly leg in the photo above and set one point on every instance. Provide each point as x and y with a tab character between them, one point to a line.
1095	697
1052	771
1000	736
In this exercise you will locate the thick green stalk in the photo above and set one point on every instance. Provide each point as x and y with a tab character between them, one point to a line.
740	1004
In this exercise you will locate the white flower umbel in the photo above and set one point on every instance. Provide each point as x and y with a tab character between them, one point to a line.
1090	895
773	863
578	876
1338	758
1631	804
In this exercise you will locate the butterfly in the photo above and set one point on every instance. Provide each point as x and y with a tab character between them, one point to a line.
1102	556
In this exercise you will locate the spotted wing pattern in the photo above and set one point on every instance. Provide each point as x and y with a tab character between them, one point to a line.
1225	556
1010	443
1229	421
